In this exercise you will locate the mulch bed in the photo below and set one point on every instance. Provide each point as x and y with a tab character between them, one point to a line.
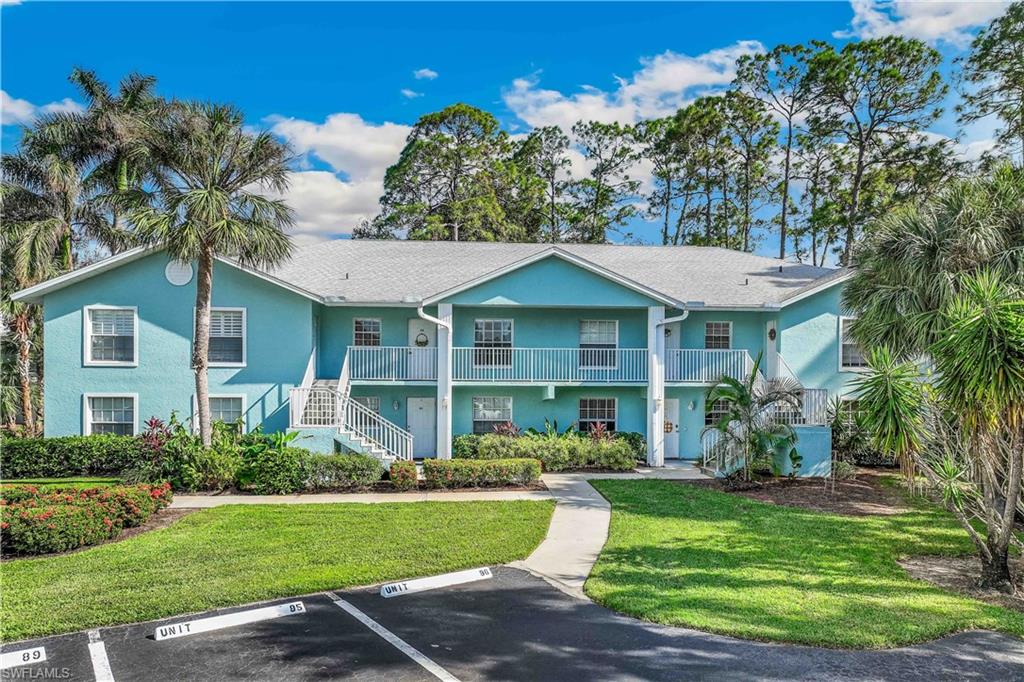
864	495
960	574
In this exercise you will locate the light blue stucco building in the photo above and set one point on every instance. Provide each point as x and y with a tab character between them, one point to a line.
392	347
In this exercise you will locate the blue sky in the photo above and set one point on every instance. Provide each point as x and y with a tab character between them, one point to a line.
340	81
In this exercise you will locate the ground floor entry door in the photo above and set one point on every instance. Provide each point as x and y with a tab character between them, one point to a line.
422	424
671	428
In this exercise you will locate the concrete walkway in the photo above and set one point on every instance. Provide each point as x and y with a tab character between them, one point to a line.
579	526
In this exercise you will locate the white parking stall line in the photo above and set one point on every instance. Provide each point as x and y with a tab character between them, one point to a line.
11	659
194	627
435	581
100	663
394	640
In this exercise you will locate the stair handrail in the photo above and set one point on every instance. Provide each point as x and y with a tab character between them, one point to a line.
367	424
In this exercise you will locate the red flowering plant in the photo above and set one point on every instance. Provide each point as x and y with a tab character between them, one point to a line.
507	429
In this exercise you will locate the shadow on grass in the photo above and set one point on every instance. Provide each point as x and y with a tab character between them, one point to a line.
685	555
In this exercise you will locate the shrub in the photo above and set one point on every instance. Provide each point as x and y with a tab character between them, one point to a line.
101	454
637	443
176	454
267	471
57	520
558	453
466	446
470	473
403	474
610	454
341	472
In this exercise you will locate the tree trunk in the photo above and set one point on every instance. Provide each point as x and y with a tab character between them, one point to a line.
785	192
201	345
24	378
995	570
668	210
66	261
852	215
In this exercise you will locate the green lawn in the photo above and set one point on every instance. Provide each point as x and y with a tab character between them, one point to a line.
243	553
685	555
76	482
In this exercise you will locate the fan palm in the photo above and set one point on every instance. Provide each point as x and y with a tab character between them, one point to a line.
206	203
913	264
750	425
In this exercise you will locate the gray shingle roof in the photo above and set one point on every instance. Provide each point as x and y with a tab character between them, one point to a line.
370	271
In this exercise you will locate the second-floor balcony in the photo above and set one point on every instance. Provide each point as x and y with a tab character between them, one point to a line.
544	365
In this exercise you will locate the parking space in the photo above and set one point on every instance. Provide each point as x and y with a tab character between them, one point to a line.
504	625
65	657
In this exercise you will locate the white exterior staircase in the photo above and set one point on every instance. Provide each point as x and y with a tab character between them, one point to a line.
326	403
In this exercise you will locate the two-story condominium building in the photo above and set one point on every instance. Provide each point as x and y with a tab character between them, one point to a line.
392	347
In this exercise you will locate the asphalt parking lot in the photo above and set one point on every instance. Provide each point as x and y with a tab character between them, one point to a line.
513	626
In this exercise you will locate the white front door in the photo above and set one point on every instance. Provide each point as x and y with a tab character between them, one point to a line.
671	428
422	353
421	421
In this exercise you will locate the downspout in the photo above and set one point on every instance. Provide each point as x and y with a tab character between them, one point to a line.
656	384
431	318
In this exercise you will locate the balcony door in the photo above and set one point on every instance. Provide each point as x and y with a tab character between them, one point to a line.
422	352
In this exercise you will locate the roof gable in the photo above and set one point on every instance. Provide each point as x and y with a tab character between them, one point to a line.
553	277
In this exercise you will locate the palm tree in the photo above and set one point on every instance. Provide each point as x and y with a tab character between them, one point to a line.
750	425
25	263
912	266
43	204
107	137
206	204
961	304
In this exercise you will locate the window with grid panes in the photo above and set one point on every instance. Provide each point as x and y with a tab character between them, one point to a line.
598	341
491	411
594	411
492	343
227	337
112	414
112	335
717	335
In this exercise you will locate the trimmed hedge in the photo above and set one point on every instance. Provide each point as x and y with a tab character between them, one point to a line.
102	454
466	446
560	453
58	520
274	472
475	473
341	472
403	474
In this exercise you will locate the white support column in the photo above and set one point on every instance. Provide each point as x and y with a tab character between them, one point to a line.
444	383
771	368
655	386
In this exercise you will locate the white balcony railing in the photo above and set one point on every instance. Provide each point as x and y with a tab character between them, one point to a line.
700	366
541	365
393	363
813	410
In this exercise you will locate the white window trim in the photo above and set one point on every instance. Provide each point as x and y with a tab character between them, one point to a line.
511	349
380	326
245	409
87	337
245	335
615	353
725	322
579	421
87	414
839	339
472	411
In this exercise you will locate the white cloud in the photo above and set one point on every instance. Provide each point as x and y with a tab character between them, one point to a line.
9	2
931	21
352	146
329	203
428	74
663	84
15	111
410	94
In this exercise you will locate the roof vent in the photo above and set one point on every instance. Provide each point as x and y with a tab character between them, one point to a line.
746	281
